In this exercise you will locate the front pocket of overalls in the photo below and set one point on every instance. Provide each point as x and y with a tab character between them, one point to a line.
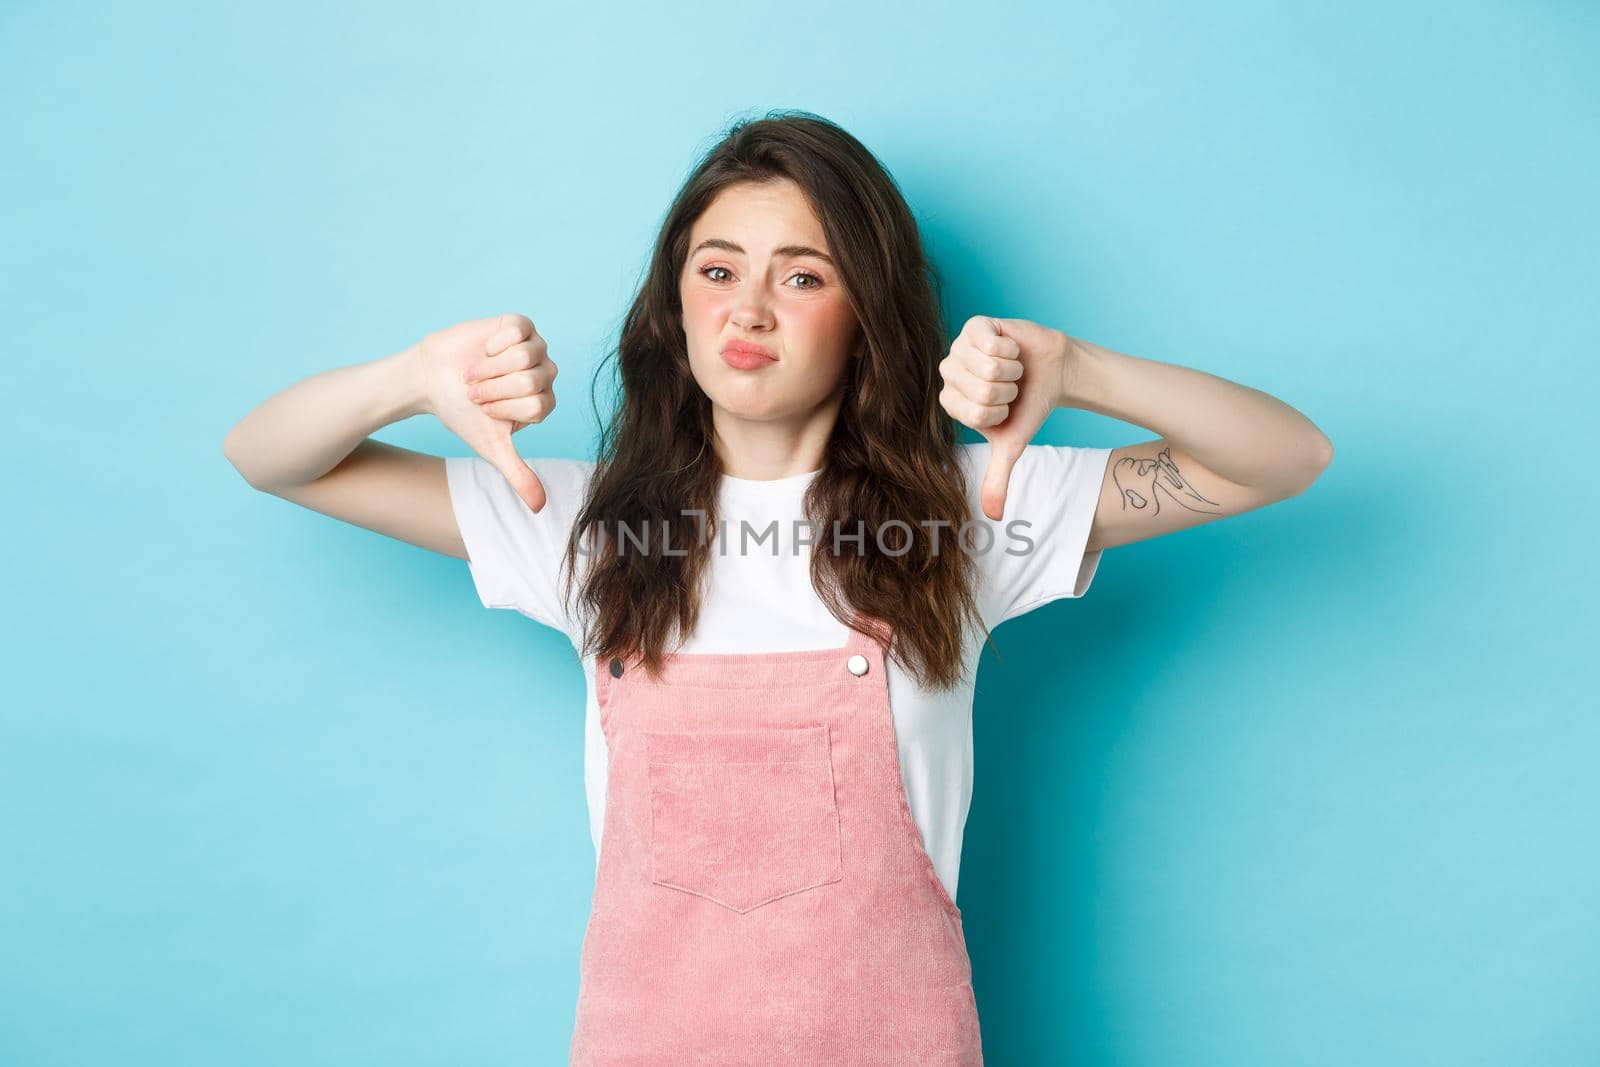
743	817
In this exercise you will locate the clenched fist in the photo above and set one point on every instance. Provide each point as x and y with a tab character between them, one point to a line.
1003	377
486	379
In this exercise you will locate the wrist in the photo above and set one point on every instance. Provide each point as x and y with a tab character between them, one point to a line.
404	392
1076	372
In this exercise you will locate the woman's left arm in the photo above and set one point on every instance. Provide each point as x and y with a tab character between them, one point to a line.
1224	448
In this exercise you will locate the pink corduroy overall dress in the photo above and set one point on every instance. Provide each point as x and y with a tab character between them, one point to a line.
763	895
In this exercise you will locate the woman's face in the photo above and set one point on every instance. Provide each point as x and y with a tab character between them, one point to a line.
758	272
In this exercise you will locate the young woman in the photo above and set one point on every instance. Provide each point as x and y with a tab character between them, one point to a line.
779	574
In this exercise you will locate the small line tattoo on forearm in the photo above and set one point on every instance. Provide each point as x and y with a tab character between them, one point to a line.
1141	483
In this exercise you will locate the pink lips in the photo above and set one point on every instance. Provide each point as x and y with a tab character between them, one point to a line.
743	355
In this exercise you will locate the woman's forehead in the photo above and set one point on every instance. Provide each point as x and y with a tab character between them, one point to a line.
753	218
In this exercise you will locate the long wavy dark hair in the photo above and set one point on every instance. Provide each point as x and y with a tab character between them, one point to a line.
892	454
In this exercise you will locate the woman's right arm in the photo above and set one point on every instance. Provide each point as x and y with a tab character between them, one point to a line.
310	442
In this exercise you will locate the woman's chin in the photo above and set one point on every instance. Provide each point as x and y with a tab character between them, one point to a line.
760	397
754	409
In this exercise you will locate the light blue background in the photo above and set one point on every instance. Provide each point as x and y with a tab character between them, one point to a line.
1314	785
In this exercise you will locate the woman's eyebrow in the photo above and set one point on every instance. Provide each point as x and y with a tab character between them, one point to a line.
787	250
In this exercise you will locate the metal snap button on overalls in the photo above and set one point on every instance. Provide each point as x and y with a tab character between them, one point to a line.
857	665
616	667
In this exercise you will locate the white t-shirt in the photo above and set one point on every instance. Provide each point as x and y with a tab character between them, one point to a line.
760	598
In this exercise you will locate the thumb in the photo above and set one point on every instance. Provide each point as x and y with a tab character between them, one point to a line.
503	456
1002	457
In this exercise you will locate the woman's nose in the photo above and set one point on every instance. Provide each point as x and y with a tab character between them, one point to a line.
750	310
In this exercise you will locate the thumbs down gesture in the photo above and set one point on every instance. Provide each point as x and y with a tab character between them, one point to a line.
1003	377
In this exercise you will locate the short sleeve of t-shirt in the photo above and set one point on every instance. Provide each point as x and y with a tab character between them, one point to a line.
1038	551
516	555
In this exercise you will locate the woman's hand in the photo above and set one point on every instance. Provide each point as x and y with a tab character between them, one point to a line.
1003	377
486	379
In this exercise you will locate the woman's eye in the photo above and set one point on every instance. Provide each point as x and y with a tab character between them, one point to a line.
817	282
